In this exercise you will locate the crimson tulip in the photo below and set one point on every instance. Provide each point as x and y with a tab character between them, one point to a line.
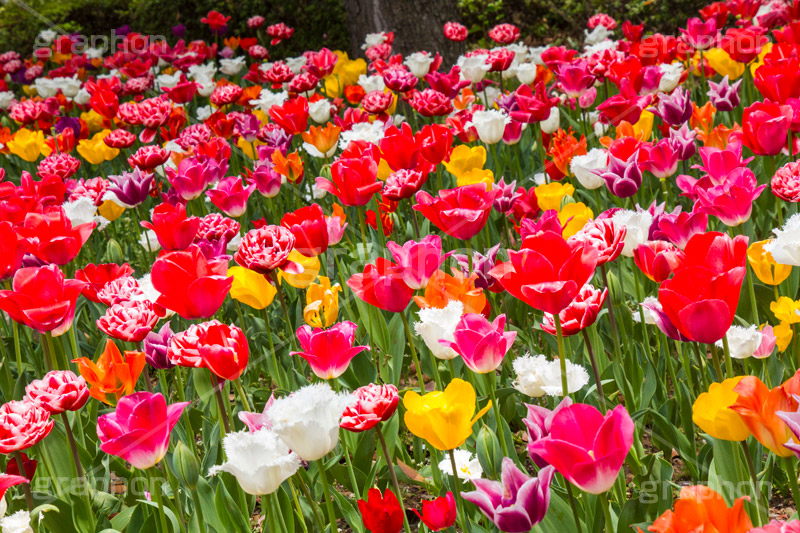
267	249
354	180
310	229
51	236
461	212
221	348
173	229
440	513
381	284
292	116
657	259
381	513
12	249
765	126
579	314
373	404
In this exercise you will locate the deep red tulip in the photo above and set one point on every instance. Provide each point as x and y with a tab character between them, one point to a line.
765	126
381	513
461	212
12	249
579	314
438	514
354	180
547	272
52	238
42	299
174	230
310	229
190	284
104	102
292	116
96	277
435	142
382	285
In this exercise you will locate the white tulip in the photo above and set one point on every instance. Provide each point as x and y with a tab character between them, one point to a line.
536	376
439	324
583	165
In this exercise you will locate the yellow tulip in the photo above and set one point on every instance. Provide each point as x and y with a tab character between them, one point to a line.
95	151
573	218
785	309
643	129
783	335
722	63
248	148
28	145
93	120
465	158
306	277
322	303
550	195
711	412
384	170
346	72
251	288
443	418
110	210
477	175
764	266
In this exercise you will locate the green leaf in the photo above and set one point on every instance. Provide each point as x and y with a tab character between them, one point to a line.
229	511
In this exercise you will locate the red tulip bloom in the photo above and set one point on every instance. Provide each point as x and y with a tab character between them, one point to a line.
328	351
58	391
310	229
373	404
461	212
657	259
382	285
381	512
52	238
547	272
292	116
105	103
221	348
579	314
190	284
779	80
129	321
354	181
765	126
174	230
533	107
12	249
435	142
97	276
23	424
216	21
438	514
267	249
455	31
42	299
743	44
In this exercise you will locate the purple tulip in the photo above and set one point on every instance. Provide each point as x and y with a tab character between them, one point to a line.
481	265
723	95
674	109
480	343
682	141
155	348
538	422
623	178
516	504
678	228
131	188
508	195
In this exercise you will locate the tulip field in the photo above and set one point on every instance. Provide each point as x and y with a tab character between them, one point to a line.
538	289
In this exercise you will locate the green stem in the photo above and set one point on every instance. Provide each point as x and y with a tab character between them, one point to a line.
573	503
327	491
237	384
490	376
607	513
413	352
791	473
715	359
198	509
728	359
155	491
390	464
596	371
26	487
17	350
457	489
298	509
754	479
561	357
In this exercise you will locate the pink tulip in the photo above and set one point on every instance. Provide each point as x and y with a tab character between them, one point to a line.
59	391
230	196
480	343
190	178
731	201
329	351
661	160
138	430
419	260
768	342
586	447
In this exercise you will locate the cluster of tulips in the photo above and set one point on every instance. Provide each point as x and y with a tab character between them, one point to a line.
543	289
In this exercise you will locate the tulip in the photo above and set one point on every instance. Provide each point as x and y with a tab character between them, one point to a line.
221	348
310	230
230	196
724	96
661	160
131	189
536	376
381	513
533	107
776	526
440	513
551	195
657	259
259	461
443	419
129	321
310	270
785	248
587	448
174	230
792	421
765	126
51	236
443	288
490	125
373	404
547	272
732	201
538	423
307	420
97	276
711	412
579	314
12	250
266	249
681	227
322	303
190	284
381	285
460	212
156	347
700	508
700	34
419	260
58	391
764	265
623	178
786	182
251	288
480	343
353	180
22	425
113	376
27	145
606	236
292	116
328	351
42	299
138	430
191	177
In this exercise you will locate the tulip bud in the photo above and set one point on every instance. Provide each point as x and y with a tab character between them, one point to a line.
185	466
489	453
113	252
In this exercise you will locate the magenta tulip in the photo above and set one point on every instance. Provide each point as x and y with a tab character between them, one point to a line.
329	351
419	260
480	343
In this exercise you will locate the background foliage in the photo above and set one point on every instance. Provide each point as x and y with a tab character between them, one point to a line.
323	22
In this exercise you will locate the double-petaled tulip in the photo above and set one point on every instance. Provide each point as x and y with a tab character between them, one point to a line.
191	284
230	196
623	177
381	284
114	375
460	212
443	418
381	513
516	503
440	513
221	348
251	288
765	126
52	237
657	259
758	405
605	235
419	260
700	508
701	298
786	182
22	424
42	299
97	276
711	412
764	265
328	351
587	447
579	314
547	272
267	249
138	430
173	229
373	404
310	229
480	343
129	321
12	249
58	391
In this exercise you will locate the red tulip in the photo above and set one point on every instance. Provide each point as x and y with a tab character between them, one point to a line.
12	249
292	116
779	80
52	238
22	424
438	514
310	229
97	276
58	391
190	284
221	348
354	180
461	212
381	513
657	259
104	102
174	230
547	272
382	285
435	142
765	126
267	249
42	299
579	314
373	404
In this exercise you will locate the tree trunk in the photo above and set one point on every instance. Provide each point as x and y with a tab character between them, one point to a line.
417	25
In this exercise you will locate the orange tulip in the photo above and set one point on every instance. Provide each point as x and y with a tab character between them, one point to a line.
757	406
699	508
563	147
323	139
718	137
290	166
702	118
113	376
443	287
